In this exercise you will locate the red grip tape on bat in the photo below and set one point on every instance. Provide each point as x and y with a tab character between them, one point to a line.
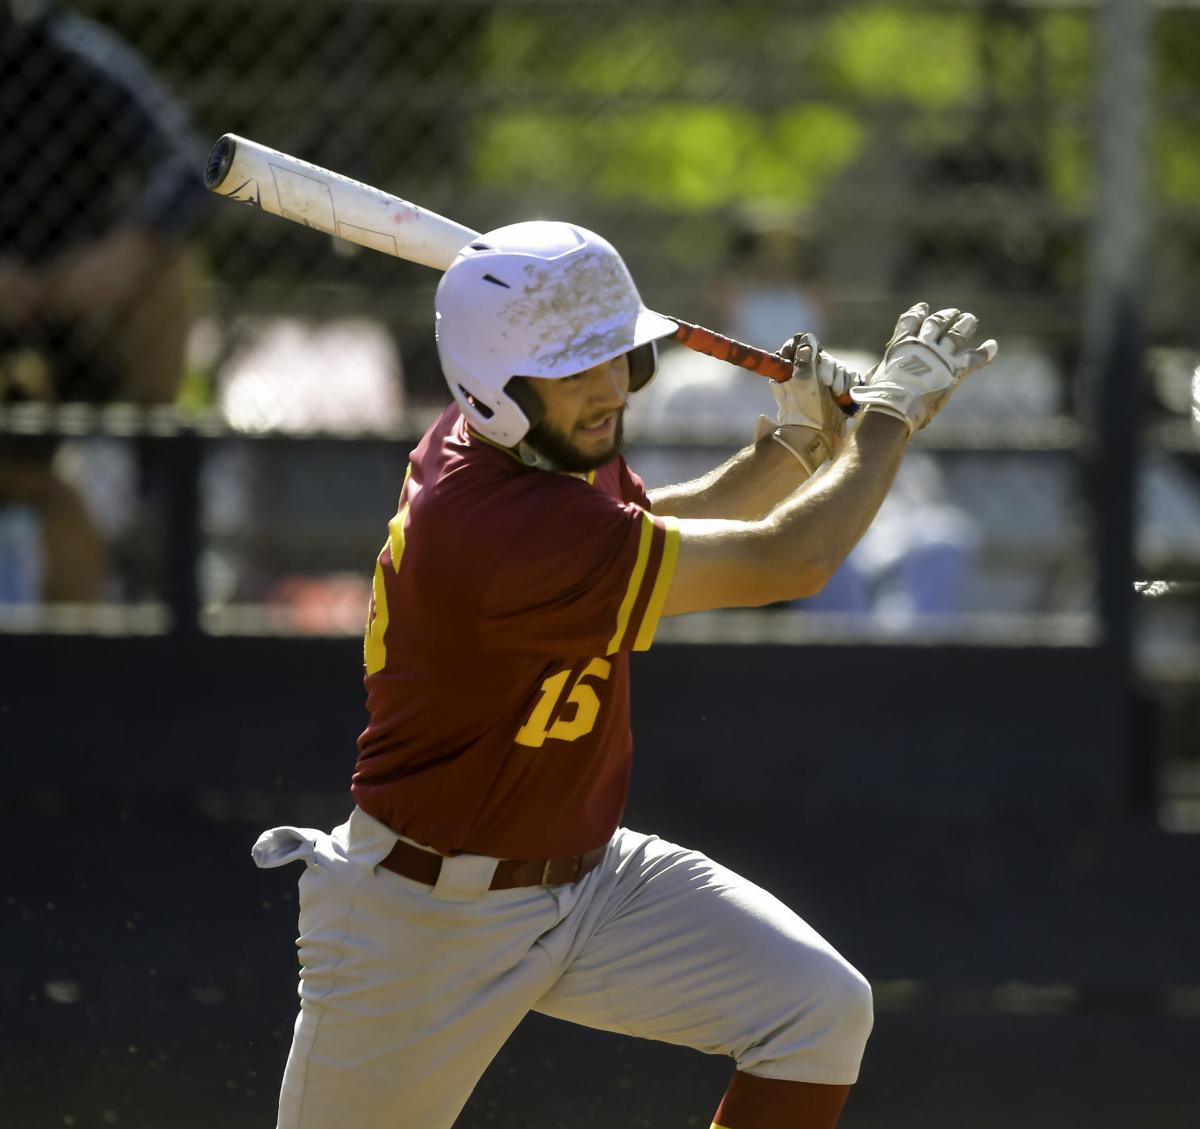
770	365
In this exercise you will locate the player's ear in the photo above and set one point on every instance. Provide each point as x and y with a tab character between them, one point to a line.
522	393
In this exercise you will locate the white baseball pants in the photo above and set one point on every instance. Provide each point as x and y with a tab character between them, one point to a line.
407	992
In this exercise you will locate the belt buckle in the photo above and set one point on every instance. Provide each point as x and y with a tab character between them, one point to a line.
576	866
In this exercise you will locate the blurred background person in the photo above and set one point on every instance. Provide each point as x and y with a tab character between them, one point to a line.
102	186
773	279
916	560
769	285
914	564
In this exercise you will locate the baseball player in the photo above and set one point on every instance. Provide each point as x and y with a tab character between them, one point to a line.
483	872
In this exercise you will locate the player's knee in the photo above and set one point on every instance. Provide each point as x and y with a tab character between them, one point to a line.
851	1005
832	1019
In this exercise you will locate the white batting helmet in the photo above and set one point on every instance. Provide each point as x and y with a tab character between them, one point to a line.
537	299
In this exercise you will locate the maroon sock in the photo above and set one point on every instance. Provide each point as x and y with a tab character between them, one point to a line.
772	1103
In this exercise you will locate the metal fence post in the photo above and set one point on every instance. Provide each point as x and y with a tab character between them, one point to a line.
183	541
1112	349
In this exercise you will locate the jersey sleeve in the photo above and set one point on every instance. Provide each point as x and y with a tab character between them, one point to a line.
579	572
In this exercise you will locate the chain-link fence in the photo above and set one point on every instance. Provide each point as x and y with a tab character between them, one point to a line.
206	413
764	167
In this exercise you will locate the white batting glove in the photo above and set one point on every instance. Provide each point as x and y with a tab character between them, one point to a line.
926	359
800	399
809	422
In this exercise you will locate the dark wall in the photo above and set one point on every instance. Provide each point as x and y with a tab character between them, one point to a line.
953	820
941	733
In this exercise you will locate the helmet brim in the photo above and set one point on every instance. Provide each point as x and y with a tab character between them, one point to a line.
653	327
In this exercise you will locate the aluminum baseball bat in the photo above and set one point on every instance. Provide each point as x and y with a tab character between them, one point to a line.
250	173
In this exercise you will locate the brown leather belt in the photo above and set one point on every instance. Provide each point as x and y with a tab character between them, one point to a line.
424	866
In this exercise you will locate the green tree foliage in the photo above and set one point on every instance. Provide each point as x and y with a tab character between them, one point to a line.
648	110
1177	150
635	114
677	155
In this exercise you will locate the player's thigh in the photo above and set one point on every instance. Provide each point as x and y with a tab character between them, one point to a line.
404	999
687	951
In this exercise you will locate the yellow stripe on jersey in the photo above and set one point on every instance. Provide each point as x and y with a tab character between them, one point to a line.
662	583
635	584
374	647
396	537
396	528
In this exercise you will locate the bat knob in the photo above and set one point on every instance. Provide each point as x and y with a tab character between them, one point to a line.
219	160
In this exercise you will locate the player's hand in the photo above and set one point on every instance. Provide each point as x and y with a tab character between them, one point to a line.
804	351
817	377
926	359
809	422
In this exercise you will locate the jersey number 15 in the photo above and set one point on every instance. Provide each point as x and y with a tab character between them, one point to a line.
551	721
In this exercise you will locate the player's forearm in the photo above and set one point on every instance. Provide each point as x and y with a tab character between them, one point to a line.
813	531
794	550
746	487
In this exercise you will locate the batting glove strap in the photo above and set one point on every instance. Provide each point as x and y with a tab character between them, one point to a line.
809	445
892	400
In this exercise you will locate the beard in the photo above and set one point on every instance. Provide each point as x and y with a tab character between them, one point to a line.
557	449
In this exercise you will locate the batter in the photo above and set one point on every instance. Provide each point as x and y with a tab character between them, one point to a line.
483	872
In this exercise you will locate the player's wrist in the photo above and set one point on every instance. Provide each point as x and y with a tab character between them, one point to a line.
880	424
810	446
888	401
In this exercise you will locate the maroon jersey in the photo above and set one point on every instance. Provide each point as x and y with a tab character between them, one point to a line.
506	602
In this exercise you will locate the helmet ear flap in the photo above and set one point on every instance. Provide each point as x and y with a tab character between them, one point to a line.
643	364
518	390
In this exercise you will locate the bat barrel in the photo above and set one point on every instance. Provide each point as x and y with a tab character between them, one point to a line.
220	159
247	172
